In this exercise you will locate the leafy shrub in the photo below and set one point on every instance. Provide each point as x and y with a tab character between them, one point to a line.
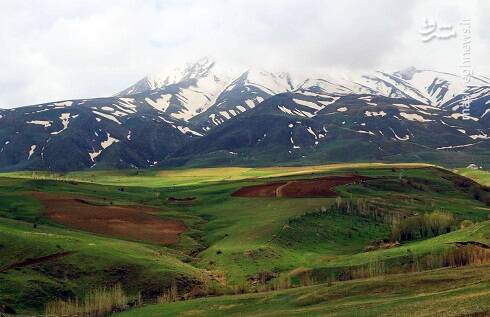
465	224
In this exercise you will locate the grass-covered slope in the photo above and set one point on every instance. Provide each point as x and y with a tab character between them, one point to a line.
245	244
443	292
79	262
41	260
481	176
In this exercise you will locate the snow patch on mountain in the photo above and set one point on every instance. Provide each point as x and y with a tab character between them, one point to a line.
309	104
31	151
241	109
270	82
374	113
365	132
414	117
310	130
404	138
62	104
331	101
104	144
185	130
462	116
43	123
65	121
161	103
456	146
481	135
106	116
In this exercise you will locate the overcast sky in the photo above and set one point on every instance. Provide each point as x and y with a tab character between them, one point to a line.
54	50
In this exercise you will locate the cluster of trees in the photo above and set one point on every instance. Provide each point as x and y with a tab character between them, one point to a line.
423	226
354	207
460	255
451	256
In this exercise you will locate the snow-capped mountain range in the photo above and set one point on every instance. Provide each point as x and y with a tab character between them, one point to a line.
202	113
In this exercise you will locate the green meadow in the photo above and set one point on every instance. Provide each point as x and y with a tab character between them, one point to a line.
443	292
309	256
481	176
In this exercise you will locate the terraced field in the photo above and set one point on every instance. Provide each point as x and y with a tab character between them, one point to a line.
352	236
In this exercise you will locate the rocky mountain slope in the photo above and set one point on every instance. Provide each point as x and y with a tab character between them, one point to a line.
200	114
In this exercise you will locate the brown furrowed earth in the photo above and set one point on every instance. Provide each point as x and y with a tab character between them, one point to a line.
316	187
132	222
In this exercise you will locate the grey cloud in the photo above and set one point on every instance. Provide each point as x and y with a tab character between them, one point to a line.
54	50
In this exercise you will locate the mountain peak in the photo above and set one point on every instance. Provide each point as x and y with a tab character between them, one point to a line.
172	74
407	73
176	111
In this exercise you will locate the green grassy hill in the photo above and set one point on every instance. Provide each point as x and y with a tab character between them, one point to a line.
443	292
481	176
255	244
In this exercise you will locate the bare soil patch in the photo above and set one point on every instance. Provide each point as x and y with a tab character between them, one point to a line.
303	188
35	261
173	199
133	222
265	190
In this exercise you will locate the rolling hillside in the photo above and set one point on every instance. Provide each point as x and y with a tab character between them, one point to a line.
340	234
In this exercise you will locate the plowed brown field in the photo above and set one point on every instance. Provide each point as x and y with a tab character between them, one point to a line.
316	187
133	222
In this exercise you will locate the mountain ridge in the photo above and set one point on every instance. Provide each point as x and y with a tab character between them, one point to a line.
201	111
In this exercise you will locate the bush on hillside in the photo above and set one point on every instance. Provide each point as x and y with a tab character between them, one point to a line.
465	224
422	226
97	303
